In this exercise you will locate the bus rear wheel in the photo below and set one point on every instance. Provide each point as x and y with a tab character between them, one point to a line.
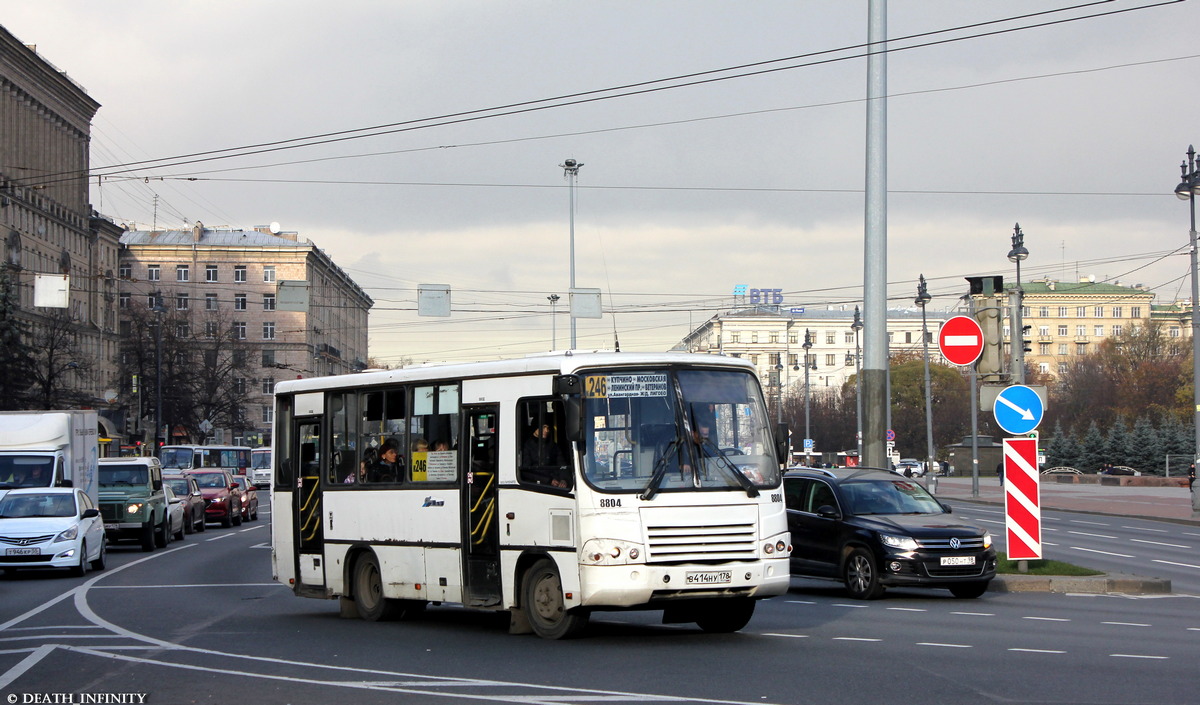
544	604
368	592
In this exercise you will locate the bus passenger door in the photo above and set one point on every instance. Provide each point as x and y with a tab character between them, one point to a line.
309	532
481	534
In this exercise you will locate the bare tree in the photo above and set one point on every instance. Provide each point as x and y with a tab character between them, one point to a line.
58	363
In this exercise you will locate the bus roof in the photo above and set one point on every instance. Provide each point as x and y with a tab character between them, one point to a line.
544	363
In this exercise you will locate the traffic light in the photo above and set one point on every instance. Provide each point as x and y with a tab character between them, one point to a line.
1026	344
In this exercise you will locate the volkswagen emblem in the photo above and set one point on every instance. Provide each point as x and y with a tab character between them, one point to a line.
955	543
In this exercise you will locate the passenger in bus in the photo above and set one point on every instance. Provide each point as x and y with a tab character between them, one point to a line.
420	445
370	457
541	459
441	444
386	469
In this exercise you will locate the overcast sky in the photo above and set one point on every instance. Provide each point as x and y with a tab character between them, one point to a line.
1075	130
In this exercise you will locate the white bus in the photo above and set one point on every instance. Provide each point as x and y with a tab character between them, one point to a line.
234	459
549	486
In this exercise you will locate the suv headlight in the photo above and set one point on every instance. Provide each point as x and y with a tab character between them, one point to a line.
904	543
133	508
987	539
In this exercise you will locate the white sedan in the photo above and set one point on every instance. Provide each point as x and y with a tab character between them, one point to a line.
51	527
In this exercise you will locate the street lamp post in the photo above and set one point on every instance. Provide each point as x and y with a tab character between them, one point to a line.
1187	189
571	169
1016	255
857	327
158	311
553	331
922	299
807	427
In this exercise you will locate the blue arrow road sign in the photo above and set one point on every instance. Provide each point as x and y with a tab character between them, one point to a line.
1018	409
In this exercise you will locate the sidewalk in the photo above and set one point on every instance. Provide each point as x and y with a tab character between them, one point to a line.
1170	503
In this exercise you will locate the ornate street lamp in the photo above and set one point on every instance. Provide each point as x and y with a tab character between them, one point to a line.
553	298
922	299
1016	254
857	327
1187	189
807	365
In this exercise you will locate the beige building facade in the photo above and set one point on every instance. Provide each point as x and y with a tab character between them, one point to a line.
295	312
50	230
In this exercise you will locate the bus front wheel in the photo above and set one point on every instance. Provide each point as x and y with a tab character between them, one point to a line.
544	604
725	616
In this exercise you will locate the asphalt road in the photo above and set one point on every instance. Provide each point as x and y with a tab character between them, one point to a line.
201	622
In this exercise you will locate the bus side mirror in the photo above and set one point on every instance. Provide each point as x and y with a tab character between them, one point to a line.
570	387
783	441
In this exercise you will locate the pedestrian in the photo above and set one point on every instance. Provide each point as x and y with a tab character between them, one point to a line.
1000	473
1191	476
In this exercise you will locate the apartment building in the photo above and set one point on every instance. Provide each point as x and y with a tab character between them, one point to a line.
284	300
52	236
1068	319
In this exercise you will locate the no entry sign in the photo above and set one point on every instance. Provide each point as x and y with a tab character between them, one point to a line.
961	340
1022	499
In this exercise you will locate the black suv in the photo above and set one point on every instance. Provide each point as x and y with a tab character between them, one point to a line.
871	528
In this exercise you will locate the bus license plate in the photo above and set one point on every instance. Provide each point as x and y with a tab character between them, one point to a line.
22	551
958	560
710	577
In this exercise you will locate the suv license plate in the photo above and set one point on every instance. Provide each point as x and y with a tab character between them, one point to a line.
714	577
112	527
958	560
22	551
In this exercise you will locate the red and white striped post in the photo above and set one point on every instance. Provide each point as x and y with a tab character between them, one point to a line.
1022	499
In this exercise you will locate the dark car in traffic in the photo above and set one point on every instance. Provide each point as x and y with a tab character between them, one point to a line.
249	497
222	497
189	494
871	529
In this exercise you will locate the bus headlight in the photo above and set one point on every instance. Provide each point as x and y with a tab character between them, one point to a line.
609	552
777	547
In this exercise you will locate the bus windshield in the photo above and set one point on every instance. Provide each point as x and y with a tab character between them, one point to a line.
650	431
176	458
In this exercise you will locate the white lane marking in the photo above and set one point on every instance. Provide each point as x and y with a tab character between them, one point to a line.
26	663
906	609
1097	536
1126	624
1182	565
976	614
1106	553
1040	651
843	604
1160	543
193	585
1090	523
1142	528
1048	619
801	602
252	528
218	538
948	646
53	626
1161	658
1190	533
853	638
787	636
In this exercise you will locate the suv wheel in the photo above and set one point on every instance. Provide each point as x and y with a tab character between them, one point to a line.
967	591
147	536
861	575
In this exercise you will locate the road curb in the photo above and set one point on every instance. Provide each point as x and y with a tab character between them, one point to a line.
1112	583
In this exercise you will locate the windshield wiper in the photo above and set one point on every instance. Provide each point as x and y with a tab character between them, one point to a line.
751	490
660	471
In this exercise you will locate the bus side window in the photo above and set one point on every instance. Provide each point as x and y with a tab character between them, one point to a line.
544	455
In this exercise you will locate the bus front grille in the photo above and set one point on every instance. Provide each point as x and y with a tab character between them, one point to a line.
687	536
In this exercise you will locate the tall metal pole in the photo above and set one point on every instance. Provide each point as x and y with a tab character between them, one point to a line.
875	362
1187	190
924	298
158	311
571	169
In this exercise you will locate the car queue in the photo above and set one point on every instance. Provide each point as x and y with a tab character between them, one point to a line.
137	504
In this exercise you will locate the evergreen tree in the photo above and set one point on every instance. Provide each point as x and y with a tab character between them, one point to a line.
1118	450
1092	450
1056	449
1147	449
16	356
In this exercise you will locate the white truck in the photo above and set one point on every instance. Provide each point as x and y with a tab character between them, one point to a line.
49	449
